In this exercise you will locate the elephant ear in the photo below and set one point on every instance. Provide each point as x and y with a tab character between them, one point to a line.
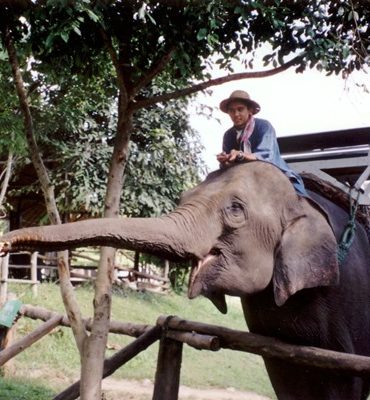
307	255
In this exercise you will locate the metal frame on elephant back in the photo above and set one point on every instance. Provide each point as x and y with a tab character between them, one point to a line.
173	332
341	158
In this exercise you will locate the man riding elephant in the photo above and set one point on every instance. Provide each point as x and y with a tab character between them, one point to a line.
252	138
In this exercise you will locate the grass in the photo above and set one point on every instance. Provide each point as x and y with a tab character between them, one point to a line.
54	361
15	389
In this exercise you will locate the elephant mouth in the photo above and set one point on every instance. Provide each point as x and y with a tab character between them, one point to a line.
196	286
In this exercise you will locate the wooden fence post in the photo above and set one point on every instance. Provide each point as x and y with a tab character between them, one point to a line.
34	273
4	271
167	376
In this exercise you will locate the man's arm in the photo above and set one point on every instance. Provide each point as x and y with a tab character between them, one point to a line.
266	147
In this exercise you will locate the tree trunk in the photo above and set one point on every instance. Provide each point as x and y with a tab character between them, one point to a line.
95	345
67	292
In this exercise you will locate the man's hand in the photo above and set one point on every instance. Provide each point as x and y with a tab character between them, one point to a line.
238	156
234	156
222	157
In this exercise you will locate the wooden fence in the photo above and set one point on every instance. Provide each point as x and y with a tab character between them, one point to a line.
142	280
172	333
4	275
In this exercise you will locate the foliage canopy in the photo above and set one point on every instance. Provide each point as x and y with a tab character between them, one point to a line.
81	59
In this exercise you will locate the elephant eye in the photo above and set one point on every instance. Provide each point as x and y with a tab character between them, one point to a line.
235	208
235	214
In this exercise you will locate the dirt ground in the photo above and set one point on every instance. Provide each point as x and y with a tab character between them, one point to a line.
118	389
143	390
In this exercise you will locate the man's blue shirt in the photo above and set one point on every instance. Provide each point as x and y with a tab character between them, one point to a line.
265	147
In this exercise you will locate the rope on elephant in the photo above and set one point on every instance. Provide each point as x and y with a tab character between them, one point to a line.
345	201
348	234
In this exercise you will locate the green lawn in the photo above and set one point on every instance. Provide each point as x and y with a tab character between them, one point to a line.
53	361
18	389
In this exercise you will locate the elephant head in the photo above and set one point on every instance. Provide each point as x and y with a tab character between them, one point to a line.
242	228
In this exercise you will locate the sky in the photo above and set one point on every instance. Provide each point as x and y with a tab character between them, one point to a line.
294	103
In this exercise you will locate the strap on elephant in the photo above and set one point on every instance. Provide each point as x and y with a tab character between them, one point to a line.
349	231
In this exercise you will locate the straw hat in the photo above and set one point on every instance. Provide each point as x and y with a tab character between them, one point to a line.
240	95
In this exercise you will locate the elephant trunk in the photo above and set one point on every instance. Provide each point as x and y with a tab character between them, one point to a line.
165	236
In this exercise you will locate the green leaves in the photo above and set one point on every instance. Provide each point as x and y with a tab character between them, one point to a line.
66	47
202	33
11	125
165	160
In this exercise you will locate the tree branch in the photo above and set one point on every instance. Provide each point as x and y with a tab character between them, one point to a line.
156	68
42	174
136	105
113	55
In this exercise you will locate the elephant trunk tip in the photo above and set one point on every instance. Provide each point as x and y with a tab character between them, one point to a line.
5	248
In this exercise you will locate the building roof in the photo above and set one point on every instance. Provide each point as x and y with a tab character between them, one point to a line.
324	140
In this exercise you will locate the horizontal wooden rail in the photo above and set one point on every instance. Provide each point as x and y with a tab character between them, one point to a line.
210	337
20	266
29	281
150	276
274	348
129	329
34	336
199	342
214	337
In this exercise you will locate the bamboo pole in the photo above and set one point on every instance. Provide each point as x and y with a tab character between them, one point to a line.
273	348
117	360
167	376
28	340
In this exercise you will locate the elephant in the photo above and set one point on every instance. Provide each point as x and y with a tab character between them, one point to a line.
248	233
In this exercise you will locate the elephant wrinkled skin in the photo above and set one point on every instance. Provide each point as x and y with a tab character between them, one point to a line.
249	234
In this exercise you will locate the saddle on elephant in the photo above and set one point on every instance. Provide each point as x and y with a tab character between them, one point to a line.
331	192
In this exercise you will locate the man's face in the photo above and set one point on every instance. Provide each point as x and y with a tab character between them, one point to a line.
239	113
